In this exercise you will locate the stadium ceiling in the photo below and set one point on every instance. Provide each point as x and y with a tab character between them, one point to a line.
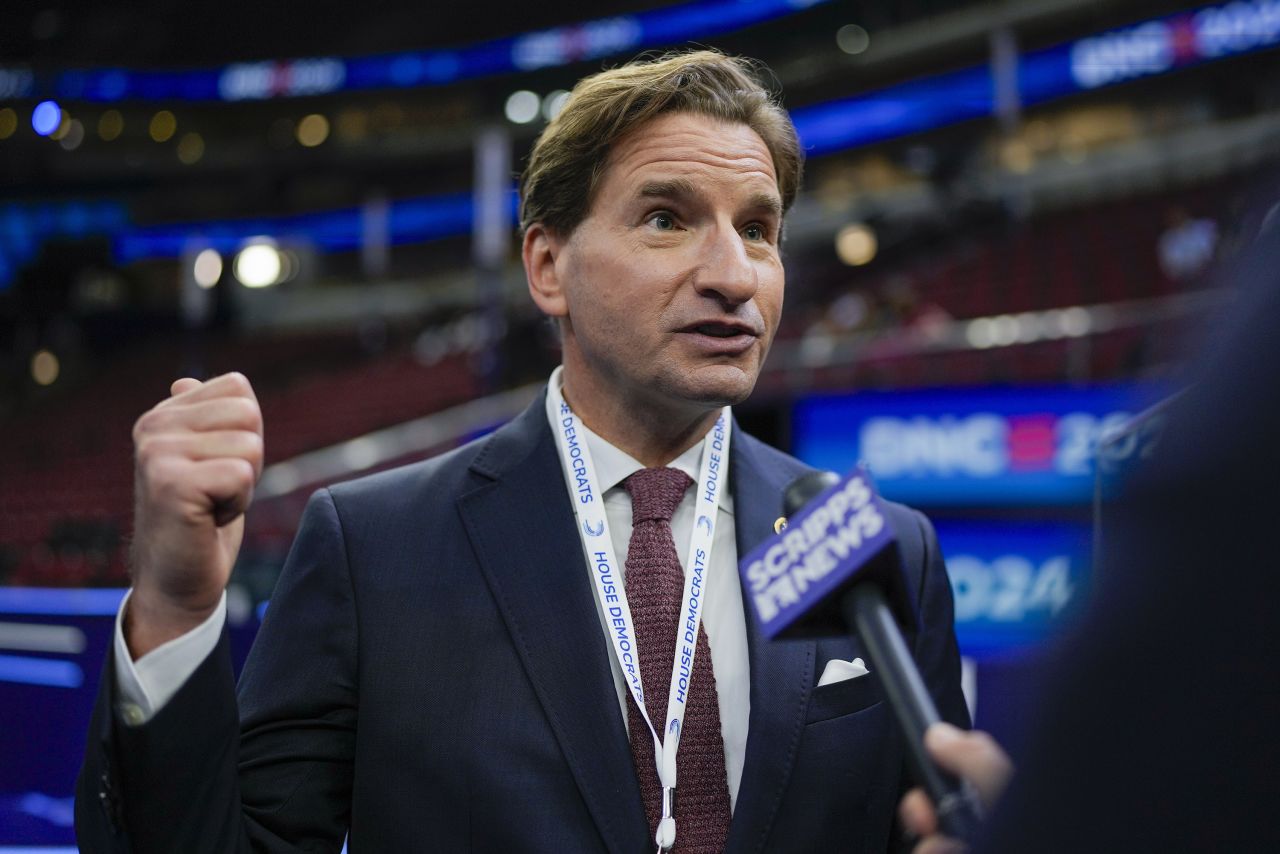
156	34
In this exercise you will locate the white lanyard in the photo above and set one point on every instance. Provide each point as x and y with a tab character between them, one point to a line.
593	528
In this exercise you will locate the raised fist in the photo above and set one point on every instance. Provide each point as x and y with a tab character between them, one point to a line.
198	455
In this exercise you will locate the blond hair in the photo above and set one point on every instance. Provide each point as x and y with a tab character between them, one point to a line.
568	160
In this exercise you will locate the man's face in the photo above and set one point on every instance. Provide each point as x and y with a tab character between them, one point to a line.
673	283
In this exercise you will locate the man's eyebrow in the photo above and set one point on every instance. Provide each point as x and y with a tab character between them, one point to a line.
766	202
673	188
678	189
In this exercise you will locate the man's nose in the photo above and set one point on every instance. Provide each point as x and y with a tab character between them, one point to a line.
726	271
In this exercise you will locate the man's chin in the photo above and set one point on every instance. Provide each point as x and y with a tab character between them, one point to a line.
718	385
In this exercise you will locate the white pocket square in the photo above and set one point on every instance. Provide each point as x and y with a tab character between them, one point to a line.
838	671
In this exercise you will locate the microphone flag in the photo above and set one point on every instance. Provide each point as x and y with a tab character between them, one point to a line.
794	579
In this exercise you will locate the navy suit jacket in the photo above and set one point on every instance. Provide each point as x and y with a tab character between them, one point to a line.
432	675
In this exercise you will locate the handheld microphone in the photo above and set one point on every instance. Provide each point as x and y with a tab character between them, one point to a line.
836	568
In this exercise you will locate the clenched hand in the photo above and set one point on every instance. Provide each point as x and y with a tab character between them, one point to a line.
198	455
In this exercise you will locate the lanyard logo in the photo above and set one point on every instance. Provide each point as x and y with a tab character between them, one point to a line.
611	595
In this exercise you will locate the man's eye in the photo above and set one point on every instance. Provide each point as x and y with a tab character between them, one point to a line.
663	221
755	231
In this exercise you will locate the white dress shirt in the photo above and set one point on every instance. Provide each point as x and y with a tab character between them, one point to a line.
722	616
145	685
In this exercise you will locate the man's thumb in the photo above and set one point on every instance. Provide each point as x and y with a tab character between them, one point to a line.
183	385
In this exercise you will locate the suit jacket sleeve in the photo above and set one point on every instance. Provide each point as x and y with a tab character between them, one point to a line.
936	653
935	649
269	773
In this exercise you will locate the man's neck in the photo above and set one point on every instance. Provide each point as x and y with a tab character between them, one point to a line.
651	436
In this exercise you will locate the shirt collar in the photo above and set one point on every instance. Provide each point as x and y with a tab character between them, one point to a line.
614	465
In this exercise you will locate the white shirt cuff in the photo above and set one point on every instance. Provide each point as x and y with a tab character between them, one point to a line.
145	685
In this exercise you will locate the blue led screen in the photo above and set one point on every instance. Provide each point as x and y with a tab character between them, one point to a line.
968	447
1016	584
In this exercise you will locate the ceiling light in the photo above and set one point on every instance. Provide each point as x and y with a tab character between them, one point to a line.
856	244
207	268
313	130
852	39
163	126
258	264
46	117
45	367
523	106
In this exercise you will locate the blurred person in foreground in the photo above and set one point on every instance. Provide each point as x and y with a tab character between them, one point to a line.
1156	730
446	663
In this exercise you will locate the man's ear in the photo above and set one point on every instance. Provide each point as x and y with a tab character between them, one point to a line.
540	249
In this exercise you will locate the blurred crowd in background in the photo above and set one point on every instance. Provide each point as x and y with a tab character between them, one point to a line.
240	189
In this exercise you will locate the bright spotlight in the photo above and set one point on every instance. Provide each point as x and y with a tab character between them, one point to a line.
856	244
207	268
313	130
1029	327
1076	321
258	265
523	106
980	334
1005	330
852	39
46	117
554	103
45	367
163	126
1052	322
361	453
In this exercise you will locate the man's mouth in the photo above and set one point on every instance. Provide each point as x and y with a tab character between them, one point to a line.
720	330
716	329
720	339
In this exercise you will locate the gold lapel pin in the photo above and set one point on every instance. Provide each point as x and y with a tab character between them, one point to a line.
780	524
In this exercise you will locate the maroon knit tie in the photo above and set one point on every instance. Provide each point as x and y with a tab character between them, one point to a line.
655	588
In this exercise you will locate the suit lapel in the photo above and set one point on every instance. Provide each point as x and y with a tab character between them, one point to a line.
781	672
522	528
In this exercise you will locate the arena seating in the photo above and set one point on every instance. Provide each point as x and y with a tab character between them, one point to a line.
67	465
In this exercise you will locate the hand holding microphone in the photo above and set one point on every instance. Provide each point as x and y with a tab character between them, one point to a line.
198	455
836	569
972	756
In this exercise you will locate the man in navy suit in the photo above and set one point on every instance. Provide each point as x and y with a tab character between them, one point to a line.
437	670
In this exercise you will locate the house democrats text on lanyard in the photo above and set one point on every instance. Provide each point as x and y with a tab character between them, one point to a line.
593	528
